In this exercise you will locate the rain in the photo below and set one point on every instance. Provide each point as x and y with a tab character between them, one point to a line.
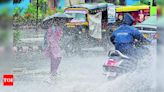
85	46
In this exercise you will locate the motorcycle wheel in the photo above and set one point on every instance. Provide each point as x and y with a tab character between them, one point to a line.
105	69
111	78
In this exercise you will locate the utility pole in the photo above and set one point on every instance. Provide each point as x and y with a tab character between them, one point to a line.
37	7
70	3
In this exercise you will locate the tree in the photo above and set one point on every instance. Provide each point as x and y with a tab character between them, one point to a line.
32	9
145	1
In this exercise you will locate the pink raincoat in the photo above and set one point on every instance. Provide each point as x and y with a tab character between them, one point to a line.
53	38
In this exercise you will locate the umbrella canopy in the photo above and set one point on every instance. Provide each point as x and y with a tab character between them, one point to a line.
56	18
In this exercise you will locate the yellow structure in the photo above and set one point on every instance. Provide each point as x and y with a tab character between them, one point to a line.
131	8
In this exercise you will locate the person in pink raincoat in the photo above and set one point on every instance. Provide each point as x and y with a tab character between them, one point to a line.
53	51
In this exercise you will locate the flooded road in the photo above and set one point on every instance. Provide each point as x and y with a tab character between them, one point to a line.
78	74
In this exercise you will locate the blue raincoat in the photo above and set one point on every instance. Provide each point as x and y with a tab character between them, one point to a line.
123	37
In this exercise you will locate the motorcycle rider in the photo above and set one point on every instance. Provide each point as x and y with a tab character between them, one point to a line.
125	35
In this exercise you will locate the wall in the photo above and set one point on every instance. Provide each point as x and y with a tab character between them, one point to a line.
74	2
11	6
23	4
131	2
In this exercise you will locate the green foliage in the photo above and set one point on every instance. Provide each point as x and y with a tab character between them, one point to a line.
60	10
144	1
16	36
43	9
30	11
139	3
101	1
17	11
39	1
160	2
4	37
49	11
5	12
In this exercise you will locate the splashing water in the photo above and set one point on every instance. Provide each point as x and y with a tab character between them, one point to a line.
84	74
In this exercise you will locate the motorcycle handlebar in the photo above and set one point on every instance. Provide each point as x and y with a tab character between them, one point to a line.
141	43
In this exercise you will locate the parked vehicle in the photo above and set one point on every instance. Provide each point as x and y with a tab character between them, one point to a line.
148	27
89	27
93	23
139	13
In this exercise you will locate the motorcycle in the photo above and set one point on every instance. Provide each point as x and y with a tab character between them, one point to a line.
118	64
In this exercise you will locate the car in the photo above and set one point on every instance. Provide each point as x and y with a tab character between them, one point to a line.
148	27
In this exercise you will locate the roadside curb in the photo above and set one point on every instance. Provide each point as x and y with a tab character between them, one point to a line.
23	49
27	49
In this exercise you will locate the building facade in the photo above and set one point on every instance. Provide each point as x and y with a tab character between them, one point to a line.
12	4
131	2
60	4
56	4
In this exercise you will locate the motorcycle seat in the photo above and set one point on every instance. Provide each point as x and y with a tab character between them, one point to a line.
117	53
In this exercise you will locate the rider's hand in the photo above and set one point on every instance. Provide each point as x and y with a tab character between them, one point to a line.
150	42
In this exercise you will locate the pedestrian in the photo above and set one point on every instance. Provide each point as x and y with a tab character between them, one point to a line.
53	50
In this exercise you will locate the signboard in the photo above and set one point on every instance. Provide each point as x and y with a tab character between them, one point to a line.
95	25
111	13
76	11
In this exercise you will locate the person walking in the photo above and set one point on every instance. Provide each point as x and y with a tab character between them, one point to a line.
53	50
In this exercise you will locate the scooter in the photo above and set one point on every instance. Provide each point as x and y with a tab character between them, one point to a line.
118	63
